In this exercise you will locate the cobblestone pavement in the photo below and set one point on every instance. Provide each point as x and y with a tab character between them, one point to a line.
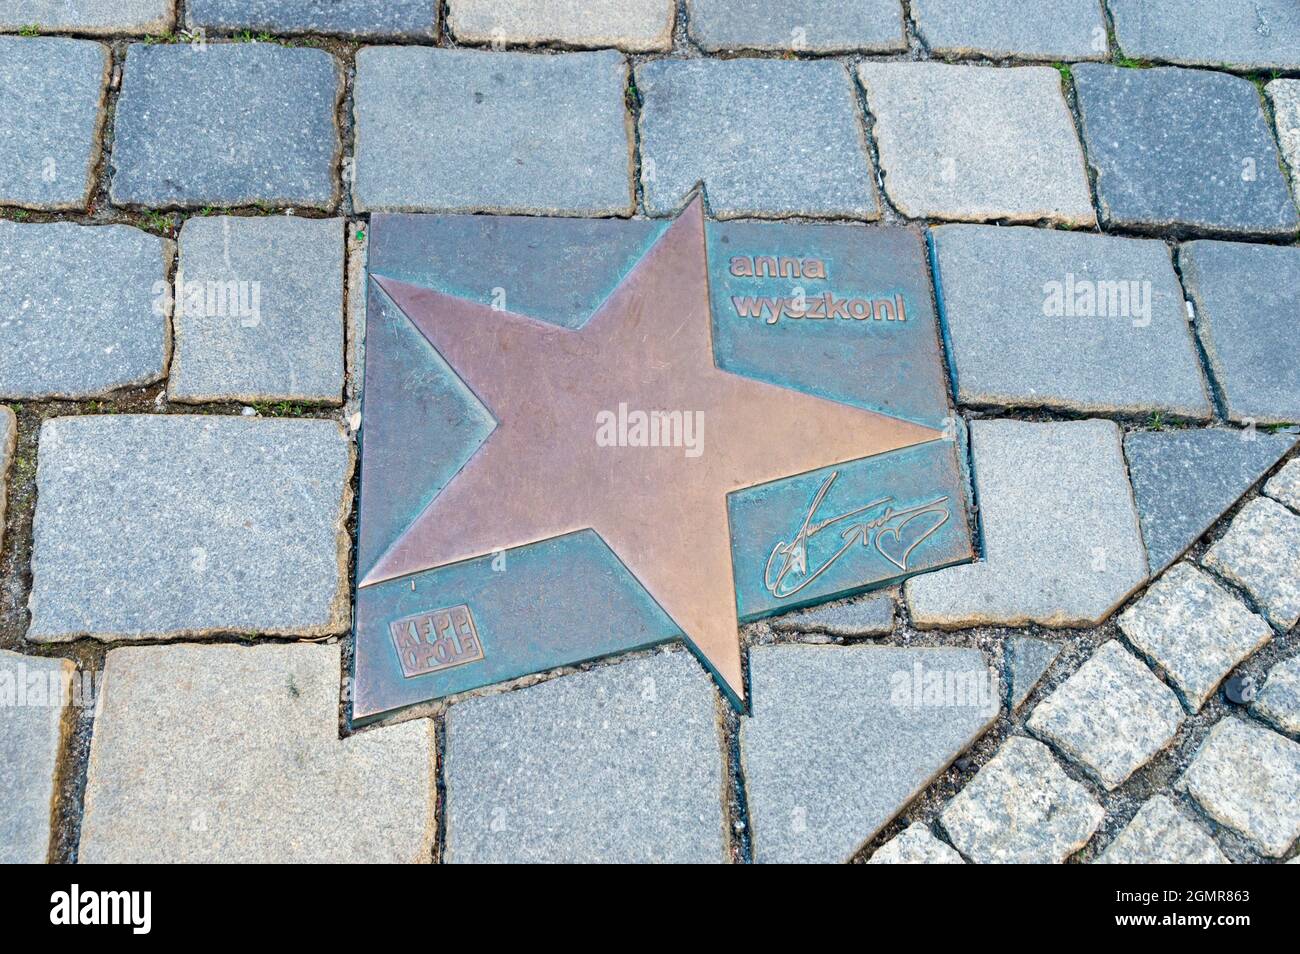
1108	190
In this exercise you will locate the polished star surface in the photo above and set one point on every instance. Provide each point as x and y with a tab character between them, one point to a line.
542	473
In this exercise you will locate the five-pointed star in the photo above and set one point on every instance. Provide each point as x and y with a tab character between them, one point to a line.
542	473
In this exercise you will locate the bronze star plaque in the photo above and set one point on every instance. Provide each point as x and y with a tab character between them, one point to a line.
554	474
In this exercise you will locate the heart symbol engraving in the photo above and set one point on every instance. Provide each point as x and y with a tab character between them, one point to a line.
896	531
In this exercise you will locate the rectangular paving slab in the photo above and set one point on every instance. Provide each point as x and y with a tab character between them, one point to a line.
83	309
1248	324
478	131
163	526
90	16
32	701
619	765
259	310
1239	34
1185	480
634	25
842	738
970	142
8	443
1042	30
1284	94
1187	150
1061	539
812	26
1049	318
267	132
51	117
716	121
405	19
231	754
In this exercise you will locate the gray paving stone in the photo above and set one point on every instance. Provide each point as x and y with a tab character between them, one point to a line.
165	526
1184	481
1243	34
841	738
407	19
1248	325
1279	700
1195	629
8	443
620	764
1248	778
1285	485
915	845
99	17
225	754
1049	318
971	142
713	120
32	700
871	615
1028	659
1285	96
635	25
276	334
1061	539
267	134
1042	30
1261	553
1021	809
83	309
1182	149
1111	716
1160	834
480	131
51	119
814	26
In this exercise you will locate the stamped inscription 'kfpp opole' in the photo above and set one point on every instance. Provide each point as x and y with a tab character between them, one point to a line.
436	640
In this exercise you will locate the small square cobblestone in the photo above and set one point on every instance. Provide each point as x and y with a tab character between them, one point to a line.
1195	629
1021	809
1261	553
1248	778
1112	716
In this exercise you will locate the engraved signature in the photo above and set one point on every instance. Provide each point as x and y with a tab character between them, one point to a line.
870	523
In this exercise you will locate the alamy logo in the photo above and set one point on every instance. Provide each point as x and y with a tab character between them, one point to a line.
74	907
1084	298
635	428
